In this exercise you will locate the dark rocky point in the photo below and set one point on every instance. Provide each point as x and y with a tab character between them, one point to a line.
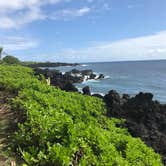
145	118
66	81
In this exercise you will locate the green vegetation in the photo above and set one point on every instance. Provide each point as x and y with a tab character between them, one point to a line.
62	128
11	60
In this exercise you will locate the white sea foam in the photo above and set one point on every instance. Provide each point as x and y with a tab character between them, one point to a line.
107	77
93	80
102	94
92	93
90	81
97	75
84	65
86	78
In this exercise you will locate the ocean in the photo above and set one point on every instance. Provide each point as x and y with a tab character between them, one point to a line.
129	77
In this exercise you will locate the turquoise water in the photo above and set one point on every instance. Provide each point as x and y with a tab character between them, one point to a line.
128	77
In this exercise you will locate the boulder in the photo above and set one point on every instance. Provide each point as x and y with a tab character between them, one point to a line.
86	90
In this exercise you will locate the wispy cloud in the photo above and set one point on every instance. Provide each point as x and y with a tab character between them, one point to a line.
139	48
68	14
15	43
134	5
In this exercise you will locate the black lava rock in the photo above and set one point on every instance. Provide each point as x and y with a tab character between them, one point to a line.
145	118
86	90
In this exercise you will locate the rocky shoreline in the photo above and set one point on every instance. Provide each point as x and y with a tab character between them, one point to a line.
145	118
65	81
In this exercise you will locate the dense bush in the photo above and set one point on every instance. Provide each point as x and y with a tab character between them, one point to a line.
11	60
63	128
1	49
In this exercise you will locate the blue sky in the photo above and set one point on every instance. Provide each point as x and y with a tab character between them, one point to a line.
84	30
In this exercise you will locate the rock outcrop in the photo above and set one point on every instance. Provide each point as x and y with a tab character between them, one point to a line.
145	118
57	79
66	81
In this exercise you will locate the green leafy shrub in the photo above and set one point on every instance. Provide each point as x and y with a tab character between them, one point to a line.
63	128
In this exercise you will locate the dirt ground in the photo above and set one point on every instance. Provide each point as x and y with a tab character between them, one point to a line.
7	127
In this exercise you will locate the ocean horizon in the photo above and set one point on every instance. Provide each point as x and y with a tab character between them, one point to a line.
118	61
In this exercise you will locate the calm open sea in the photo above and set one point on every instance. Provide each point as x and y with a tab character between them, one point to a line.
127	77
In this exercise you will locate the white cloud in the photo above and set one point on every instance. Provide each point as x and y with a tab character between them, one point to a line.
14	43
17	13
69	13
139	48
21	18
22	4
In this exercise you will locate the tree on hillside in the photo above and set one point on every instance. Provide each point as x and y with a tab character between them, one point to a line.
11	60
1	49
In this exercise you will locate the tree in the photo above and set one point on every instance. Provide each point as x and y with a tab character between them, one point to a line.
1	49
11	60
